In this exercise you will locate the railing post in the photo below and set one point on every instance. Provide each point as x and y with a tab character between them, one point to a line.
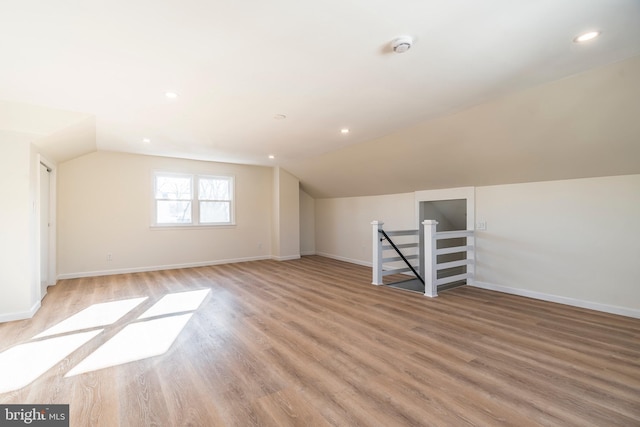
377	253
430	260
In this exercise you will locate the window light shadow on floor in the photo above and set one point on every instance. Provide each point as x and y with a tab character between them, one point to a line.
137	341
151	334
176	303
22	364
102	314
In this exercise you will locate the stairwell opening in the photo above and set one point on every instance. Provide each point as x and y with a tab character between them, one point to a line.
451	216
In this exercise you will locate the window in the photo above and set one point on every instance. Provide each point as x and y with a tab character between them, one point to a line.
173	195
214	199
185	199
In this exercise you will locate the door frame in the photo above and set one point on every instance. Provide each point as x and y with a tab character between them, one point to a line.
466	193
51	251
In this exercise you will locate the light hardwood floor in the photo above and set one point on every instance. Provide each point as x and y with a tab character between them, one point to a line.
312	343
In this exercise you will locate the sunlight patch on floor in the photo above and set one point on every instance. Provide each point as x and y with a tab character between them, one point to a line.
96	315
146	338
135	342
176	303
151	334
22	364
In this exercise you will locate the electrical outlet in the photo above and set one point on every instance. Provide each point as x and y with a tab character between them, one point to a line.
482	225
260	245
109	257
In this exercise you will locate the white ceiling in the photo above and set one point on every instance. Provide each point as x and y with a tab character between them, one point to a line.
325	65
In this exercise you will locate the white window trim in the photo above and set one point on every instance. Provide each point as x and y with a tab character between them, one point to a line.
195	201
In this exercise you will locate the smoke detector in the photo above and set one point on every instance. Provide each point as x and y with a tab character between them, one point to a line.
402	44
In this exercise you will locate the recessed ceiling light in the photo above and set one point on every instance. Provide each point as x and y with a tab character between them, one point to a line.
271	156
585	37
146	140
171	95
279	117
344	130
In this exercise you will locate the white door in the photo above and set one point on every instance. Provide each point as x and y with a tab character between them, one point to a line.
44	228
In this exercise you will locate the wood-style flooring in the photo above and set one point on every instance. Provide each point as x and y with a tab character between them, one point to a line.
311	342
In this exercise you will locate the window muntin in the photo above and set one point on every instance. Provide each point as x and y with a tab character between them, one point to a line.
191	200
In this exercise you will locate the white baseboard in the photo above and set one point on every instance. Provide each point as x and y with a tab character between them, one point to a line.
341	258
285	258
613	309
308	253
20	315
157	268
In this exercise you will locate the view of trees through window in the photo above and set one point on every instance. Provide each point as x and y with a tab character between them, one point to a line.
175	203
214	195
173	199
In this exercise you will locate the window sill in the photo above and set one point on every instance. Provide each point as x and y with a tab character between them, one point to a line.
190	226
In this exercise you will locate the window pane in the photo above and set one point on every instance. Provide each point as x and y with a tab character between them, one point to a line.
211	212
214	189
173	212
173	187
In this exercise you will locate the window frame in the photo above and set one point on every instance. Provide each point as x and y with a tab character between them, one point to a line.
194	200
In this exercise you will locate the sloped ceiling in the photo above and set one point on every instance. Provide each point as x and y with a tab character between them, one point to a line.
583	126
237	65
69	142
60	135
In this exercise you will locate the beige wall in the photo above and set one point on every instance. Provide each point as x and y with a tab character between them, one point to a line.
343	225
575	239
571	241
307	224
286	221
19	259
104	206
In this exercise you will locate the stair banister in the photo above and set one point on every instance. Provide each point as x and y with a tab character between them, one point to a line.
377	253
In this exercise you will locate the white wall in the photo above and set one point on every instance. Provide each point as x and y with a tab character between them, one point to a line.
286	221
105	203
307	224
343	225
19	259
572	241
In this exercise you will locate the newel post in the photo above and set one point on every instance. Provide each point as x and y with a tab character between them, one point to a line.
377	253
430	260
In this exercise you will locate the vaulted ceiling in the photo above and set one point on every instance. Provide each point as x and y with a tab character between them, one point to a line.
490	92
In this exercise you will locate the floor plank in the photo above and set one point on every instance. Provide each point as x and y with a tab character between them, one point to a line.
312	342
